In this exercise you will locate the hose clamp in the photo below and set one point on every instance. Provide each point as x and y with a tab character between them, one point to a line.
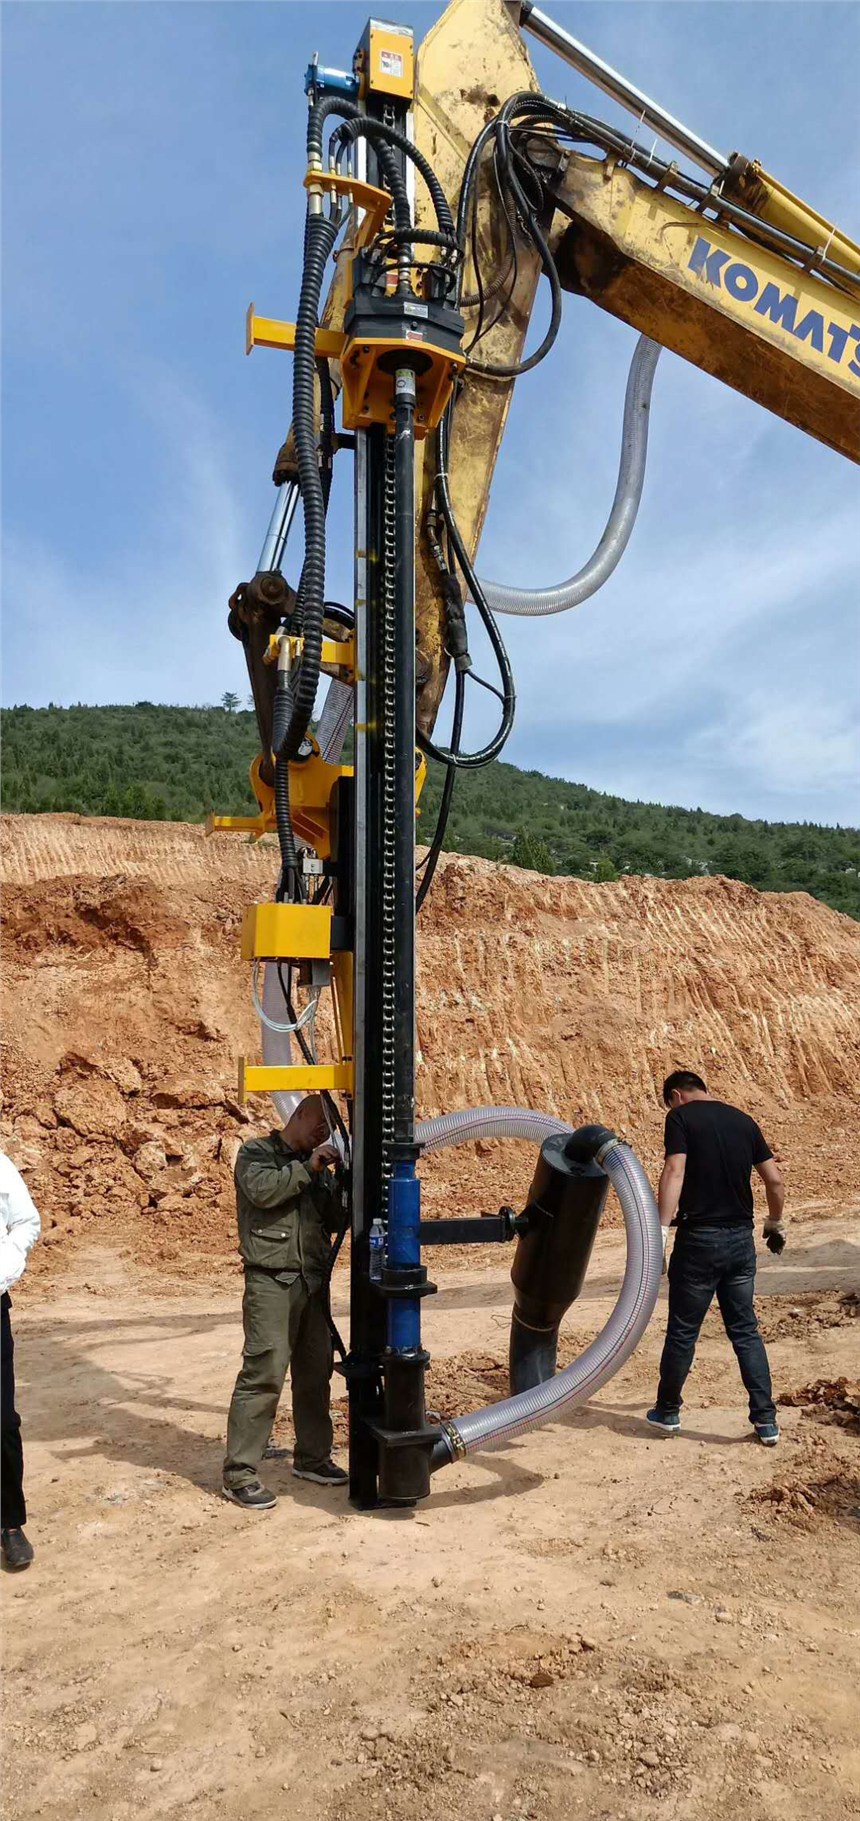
454	1440
610	1145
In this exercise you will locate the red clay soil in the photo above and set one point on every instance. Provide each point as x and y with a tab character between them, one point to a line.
126	1006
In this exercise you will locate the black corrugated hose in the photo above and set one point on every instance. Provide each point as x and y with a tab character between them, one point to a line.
320	236
290	882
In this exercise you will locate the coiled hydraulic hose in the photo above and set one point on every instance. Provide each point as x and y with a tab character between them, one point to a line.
625	506
498	1424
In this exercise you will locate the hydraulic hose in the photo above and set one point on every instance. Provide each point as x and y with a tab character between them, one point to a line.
289	885
320	236
498	1424
625	506
446	756
431	858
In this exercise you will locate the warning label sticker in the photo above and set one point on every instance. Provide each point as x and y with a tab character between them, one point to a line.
391	63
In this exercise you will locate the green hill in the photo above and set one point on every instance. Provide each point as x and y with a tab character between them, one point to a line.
177	764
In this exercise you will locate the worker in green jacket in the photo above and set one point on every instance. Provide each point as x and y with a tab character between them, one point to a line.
287	1210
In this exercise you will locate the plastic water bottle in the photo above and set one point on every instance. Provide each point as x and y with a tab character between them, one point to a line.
377	1251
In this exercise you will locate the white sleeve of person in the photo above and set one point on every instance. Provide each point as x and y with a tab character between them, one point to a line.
20	1225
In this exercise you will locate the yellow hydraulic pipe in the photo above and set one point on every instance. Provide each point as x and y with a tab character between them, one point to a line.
766	197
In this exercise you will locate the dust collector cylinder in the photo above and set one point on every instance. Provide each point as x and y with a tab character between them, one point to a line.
566	1200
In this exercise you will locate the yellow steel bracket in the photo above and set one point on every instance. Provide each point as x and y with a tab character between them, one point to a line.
337	657
368	388
268	332
302	1078
264	823
311	784
375	203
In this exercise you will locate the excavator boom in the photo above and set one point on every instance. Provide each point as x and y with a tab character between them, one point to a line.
780	335
736	275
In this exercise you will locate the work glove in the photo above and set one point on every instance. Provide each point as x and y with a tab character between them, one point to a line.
774	1235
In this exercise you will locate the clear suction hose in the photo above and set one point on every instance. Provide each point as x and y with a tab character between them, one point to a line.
625	506
498	1424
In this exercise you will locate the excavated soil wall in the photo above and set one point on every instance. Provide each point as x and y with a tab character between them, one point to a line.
126	1005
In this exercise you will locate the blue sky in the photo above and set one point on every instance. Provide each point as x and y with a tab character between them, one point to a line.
153	155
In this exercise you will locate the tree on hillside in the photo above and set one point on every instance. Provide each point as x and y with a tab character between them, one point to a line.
154	761
604	869
529	851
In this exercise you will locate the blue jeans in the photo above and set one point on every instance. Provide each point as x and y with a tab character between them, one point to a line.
707	1261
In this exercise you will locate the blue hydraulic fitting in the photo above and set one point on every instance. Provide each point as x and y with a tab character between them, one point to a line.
329	82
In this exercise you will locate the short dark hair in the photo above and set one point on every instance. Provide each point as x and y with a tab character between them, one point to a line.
683	1079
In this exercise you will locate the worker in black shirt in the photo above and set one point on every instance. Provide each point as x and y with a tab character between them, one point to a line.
711	1151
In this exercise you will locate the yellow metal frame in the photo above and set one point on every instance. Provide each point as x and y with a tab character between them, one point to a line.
343	970
269	332
307	1078
311	784
375	203
337	655
368	390
286	932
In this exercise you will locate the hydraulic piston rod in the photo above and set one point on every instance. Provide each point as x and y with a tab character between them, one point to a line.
626	93
280	525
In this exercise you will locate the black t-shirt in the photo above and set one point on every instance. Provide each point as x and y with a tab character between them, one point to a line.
721	1146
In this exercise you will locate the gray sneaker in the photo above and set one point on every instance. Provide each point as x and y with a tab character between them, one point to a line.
768	1434
668	1421
326	1474
252	1496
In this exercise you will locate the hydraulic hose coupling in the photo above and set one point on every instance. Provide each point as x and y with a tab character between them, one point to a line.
285	660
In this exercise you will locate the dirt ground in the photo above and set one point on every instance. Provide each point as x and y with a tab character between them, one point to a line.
595	1621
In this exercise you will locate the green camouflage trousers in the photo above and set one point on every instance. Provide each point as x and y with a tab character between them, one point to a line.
285	1325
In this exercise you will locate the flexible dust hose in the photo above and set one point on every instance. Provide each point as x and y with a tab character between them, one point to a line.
625	506
498	1424
487	1122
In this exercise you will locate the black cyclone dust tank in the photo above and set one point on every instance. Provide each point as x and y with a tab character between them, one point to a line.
566	1200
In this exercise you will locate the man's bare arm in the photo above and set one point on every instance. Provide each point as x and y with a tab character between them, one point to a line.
774	1188
669	1192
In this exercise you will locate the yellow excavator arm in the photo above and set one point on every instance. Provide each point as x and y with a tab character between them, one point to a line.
741	278
782	336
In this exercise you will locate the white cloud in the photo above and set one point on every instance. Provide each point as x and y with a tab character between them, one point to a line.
755	735
679	620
